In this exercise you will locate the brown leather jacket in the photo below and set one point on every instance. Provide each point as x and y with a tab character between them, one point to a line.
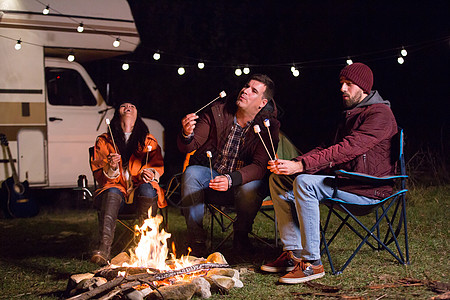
363	145
211	132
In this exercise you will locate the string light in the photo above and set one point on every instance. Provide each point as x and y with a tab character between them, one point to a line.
156	56
80	27
404	52
18	45
400	60
246	70
296	73
125	66
238	72
201	65
46	10
349	61
181	71
71	57
116	43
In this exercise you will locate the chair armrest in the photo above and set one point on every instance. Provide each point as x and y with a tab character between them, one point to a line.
367	178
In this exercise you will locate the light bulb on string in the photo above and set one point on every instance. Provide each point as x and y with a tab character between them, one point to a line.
238	72
181	71
296	73
293	68
349	61
156	56
403	52
116	43
46	10
80	27
71	57
400	60
18	45
246	70
125	66
201	65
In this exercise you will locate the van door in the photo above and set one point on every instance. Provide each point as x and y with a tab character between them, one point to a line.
74	108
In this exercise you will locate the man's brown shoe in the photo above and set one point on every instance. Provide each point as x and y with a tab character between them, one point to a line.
302	272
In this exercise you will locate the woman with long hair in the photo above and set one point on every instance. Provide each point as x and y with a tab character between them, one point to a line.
127	163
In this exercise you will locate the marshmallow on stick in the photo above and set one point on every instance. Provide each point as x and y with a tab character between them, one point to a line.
267	124
221	95
110	131
209	154
149	148
257	131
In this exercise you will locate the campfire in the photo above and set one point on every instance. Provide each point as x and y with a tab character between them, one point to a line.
147	273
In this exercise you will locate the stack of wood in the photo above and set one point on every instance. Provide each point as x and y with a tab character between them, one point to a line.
206	276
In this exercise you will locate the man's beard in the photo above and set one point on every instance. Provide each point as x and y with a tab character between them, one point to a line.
353	101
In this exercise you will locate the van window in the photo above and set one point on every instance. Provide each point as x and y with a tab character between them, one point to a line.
67	87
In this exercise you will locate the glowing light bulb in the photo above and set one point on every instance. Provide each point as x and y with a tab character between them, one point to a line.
181	71
71	57
238	72
46	10
296	73
404	52
349	61
293	68
400	60
246	70
18	45
125	66
80	27
116	43
156	56
201	65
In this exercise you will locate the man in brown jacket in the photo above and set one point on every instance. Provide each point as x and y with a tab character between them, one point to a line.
230	161
363	145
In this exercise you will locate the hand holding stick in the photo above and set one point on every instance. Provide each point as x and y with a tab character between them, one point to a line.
257	131
267	124
149	148
110	131
221	95
209	154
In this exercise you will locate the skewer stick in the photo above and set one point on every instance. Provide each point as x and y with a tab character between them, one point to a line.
110	131
267	124
209	154
257	131
221	95
149	148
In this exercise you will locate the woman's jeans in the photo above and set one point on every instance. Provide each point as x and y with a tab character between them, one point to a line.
246	199
296	203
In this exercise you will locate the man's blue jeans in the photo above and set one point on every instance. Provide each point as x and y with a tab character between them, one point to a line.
246	199
296	203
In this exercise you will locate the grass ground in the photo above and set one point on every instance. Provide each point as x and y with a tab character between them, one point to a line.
37	255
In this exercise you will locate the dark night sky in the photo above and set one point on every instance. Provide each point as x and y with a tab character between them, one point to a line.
265	34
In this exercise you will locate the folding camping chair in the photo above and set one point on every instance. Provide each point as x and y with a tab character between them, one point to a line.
127	218
378	235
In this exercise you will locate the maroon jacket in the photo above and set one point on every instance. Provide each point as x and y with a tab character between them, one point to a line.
211	132
363	145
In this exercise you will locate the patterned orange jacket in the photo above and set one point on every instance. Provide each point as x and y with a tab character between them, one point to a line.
137	163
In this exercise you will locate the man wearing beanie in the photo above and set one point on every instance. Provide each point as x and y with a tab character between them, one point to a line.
363	144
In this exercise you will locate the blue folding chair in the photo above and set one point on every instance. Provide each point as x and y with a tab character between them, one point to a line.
390	215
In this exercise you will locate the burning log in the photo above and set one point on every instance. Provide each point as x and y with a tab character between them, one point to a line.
129	281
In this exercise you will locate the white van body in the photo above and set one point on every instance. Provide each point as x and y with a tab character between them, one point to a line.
50	109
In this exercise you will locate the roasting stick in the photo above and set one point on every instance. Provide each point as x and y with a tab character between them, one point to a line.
209	154
149	148
257	131
221	95
267	124
110	131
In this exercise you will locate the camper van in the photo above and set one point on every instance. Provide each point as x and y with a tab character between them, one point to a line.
50	109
